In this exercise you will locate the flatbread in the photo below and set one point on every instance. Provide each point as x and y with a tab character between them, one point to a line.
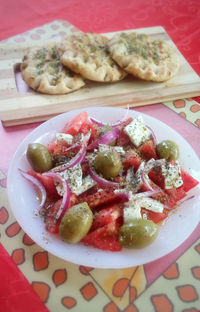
144	58
42	70
87	54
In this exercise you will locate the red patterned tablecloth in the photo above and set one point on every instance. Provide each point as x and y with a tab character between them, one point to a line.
39	281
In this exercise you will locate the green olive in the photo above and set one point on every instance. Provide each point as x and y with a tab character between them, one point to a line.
138	233
104	130
168	149
39	157
76	223
108	163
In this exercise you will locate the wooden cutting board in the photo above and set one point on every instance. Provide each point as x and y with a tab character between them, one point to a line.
26	107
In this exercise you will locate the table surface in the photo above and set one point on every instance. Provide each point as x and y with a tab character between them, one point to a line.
51	284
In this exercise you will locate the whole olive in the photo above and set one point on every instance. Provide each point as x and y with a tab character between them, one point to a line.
104	130
39	157
76	223
108	163
138	233
168	149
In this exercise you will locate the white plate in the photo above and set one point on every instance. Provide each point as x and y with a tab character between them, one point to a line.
23	200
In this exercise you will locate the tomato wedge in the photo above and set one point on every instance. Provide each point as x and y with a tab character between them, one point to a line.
74	125
47	182
103	238
156	217
110	214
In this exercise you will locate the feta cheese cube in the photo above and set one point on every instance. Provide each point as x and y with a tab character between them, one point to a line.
76	183
150	204
87	183
131	213
137	131
132	208
65	137
73	176
118	149
172	175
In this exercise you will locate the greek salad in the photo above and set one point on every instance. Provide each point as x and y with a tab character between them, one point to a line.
109	186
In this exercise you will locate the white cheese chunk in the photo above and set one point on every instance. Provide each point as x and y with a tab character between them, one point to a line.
134	180
150	204
87	183
118	149
131	213
132	208
76	183
172	175
65	137
73	176
137	131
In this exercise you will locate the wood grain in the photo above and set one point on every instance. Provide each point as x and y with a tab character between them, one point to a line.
20	108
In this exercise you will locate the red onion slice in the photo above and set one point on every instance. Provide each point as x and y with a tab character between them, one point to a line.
78	158
146	194
66	193
116	124
146	180
74	161
153	135
76	145
105	139
38	185
101	180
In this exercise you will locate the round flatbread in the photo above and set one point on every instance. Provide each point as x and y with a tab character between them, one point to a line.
144	58
87	54
42	71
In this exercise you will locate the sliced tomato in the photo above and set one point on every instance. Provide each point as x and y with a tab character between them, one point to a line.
161	196
104	238
73	200
57	148
175	194
74	125
105	229
99	198
52	146
188	181
123	139
128	121
156	217
110	214
47	182
167	197
132	159
86	127
156	176
51	224
148	150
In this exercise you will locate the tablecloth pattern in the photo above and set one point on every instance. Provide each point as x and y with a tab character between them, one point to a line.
169	284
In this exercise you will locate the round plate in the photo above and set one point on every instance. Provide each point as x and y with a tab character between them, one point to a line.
172	233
